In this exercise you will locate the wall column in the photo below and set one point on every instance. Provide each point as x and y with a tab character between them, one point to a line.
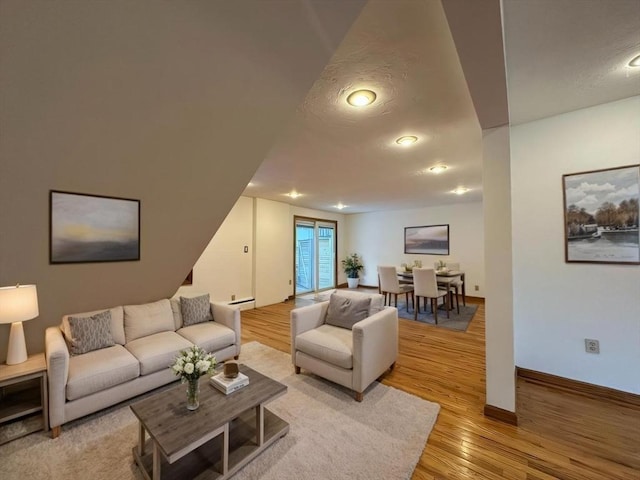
500	358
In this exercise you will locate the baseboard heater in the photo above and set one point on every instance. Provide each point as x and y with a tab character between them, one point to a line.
244	303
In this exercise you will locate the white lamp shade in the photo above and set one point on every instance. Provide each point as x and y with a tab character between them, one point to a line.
18	303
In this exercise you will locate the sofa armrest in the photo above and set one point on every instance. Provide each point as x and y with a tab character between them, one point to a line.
375	347
304	319
228	316
57	357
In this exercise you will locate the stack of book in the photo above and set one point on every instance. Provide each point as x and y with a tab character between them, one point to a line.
229	385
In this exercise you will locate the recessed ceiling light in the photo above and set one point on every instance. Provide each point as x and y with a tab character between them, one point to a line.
438	168
460	190
294	194
340	206
635	62
407	140
250	184
361	98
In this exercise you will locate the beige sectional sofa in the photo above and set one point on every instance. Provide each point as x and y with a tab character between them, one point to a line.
145	340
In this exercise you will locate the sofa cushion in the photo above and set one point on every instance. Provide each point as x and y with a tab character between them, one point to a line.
147	319
344	311
331	344
101	369
210	336
90	333
117	323
195	310
177	313
157	351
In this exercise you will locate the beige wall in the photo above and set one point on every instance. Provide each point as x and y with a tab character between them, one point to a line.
171	103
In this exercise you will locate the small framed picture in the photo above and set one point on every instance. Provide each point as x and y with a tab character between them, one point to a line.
427	240
601	215
93	228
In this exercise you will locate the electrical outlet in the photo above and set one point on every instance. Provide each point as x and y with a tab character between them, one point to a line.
289	282
477	288
233	297
246	249
591	345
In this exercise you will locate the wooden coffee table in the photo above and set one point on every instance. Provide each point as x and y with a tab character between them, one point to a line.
214	441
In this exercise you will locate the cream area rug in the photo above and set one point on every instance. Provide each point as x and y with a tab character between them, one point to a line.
331	435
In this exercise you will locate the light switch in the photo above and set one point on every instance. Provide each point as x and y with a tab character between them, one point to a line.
246	249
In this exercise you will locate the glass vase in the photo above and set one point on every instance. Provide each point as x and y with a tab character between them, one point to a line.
193	392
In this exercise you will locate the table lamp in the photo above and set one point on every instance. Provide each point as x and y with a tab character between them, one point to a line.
17	304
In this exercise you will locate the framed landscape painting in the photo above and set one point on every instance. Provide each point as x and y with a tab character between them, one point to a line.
427	240
601	215
92	228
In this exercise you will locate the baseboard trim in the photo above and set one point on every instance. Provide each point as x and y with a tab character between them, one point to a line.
500	414
597	392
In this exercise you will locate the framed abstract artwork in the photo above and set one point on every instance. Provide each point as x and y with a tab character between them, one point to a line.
93	228
601	215
427	240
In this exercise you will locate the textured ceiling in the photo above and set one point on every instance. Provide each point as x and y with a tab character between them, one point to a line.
563	55
333	152
439	71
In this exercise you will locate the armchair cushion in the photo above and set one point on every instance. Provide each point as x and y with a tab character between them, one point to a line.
330	344
344	311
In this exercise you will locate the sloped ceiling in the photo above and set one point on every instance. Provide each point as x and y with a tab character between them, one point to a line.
172	103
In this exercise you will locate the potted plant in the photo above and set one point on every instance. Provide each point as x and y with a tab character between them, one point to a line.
352	266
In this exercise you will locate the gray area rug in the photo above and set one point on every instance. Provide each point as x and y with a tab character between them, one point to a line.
331	435
456	322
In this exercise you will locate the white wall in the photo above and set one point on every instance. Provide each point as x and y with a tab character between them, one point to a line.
379	238
496	180
224	269
274	252
263	273
556	304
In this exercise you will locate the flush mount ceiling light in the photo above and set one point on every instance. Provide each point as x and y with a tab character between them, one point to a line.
293	194
340	206
407	140
438	168
361	98
460	190
635	62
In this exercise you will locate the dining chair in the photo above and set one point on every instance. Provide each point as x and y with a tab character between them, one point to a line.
456	283
426	286
389	284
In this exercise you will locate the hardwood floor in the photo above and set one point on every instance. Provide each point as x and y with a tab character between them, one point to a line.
561	435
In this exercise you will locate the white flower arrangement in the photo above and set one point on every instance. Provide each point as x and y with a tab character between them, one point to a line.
192	363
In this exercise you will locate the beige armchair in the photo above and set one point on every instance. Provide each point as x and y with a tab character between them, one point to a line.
352	357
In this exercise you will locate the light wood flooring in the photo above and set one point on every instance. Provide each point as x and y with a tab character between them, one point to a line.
560	436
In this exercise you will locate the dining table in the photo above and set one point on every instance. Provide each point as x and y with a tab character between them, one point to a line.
444	278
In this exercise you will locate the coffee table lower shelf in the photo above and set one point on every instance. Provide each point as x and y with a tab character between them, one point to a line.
205	462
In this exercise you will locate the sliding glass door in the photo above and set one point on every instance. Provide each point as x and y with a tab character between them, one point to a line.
315	255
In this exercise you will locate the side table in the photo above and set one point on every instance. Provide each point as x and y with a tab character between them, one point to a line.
23	393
